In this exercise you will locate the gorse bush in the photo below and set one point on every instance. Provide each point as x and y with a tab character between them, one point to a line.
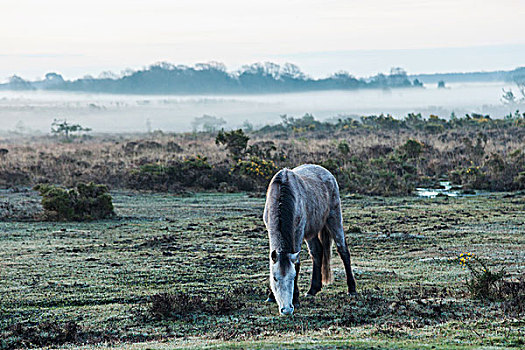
488	285
85	202
483	283
257	169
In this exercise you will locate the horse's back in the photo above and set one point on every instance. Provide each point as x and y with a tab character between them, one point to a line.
317	178
320	197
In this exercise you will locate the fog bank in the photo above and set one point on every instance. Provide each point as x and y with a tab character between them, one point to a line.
34	111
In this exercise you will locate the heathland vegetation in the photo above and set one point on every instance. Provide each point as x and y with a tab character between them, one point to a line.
373	155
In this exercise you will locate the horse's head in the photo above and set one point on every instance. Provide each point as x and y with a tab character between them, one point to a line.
282	276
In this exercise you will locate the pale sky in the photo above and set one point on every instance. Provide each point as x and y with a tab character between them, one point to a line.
361	36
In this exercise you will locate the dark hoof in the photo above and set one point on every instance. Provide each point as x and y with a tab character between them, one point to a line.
353	294
270	300
296	305
309	296
313	292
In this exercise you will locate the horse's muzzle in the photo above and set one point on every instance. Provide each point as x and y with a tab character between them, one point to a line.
287	310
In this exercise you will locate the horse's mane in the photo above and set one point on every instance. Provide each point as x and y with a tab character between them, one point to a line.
286	211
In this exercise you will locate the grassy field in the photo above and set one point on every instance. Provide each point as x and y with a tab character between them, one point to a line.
191	271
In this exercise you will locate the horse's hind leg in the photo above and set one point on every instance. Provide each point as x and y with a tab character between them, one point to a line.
316	252
335	227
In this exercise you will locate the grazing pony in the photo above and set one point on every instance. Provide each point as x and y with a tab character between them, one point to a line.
303	204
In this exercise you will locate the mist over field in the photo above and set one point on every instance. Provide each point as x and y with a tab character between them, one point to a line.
34	111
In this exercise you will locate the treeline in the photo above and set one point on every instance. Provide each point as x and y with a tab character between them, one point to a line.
267	77
516	75
213	78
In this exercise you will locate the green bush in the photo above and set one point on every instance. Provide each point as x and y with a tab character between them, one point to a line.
519	180
176	176
85	202
412	148
235	141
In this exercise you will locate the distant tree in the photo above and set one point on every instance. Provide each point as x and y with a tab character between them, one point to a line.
508	97
54	77
398	71
163	66
379	80
20	128
212	65
108	75
247	125
417	83
398	77
17	83
208	123
521	88
343	80
63	128
53	81
292	71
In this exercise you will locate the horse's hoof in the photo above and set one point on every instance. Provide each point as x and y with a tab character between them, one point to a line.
270	300
309	296
353	294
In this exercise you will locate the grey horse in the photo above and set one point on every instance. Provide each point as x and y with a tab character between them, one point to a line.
303	204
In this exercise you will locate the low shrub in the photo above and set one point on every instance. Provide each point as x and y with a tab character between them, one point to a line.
165	306
85	202
169	306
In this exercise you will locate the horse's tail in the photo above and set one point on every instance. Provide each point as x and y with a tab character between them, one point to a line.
326	269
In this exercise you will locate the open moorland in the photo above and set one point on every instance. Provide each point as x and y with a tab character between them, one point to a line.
183	260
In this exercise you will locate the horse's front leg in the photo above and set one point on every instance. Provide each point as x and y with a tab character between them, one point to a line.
271	297
296	286
316	252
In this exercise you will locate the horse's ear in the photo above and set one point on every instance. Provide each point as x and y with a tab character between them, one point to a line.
274	256
294	257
